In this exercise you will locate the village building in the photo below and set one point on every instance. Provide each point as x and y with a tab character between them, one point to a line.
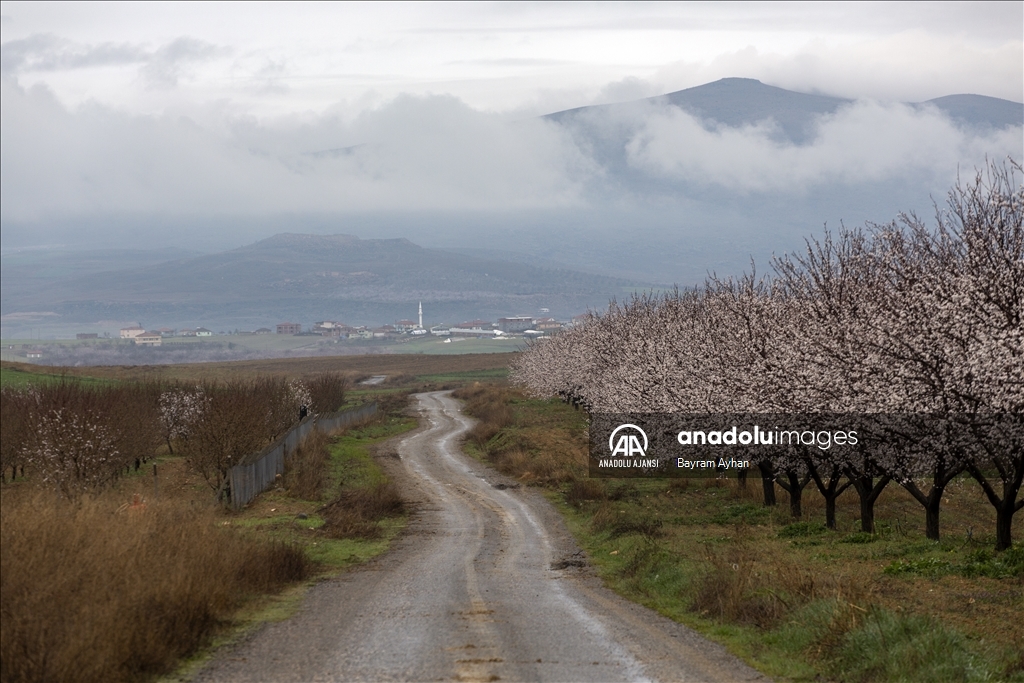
203	332
87	335
148	339
475	328
132	332
289	328
515	325
332	328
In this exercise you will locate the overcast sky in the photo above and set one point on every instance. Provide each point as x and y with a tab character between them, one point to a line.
268	59
202	107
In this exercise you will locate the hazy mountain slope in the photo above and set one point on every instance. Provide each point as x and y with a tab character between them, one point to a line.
25	271
745	101
303	277
980	111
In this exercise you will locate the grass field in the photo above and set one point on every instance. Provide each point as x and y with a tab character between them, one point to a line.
794	599
438	368
14	350
459	345
11	375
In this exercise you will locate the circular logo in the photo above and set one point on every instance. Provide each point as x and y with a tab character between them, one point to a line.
628	444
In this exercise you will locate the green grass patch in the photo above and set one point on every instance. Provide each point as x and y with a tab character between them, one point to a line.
859	537
981	562
904	647
13	377
802	530
352	466
485	375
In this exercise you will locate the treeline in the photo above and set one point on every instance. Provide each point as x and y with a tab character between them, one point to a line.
900	319
79	438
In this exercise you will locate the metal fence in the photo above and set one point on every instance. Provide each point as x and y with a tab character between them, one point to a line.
258	472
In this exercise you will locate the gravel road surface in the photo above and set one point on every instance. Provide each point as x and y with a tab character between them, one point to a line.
471	592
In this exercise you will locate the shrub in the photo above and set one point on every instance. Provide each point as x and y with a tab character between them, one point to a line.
583	490
326	391
890	647
355	512
305	472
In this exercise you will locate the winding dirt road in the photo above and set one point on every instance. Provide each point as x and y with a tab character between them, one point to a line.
469	593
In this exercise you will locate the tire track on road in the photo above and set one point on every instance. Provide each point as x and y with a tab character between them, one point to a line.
469	594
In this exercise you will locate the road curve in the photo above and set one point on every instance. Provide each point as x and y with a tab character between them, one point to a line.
469	594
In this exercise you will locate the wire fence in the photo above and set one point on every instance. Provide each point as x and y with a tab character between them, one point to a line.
258	472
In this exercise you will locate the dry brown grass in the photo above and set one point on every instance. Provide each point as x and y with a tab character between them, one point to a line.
749	583
103	591
355	512
547	454
584	490
306	470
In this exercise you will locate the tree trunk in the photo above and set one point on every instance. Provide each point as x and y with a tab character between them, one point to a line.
868	490
867	515
830	490
767	482
1004	521
1006	506
830	512
931	519
942	473
793	485
931	504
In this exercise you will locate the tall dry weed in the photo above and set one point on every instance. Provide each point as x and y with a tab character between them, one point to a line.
752	585
306	470
90	593
355	512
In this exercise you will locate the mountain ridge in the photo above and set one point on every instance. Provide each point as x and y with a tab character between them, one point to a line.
736	102
338	276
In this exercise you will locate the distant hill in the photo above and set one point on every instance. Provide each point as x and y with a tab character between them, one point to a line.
315	277
744	101
980	111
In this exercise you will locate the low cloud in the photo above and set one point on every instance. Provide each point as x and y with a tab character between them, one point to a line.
865	142
411	154
170	62
161	67
436	153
